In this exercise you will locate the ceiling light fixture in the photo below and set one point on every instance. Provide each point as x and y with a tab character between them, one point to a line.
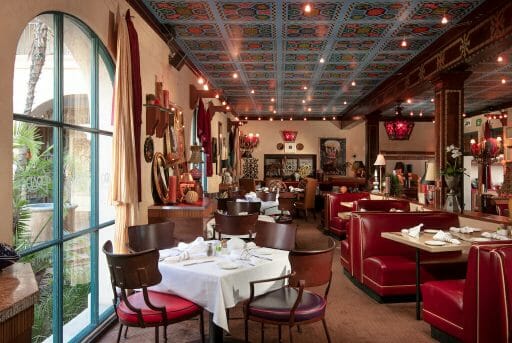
291	118
411	113
444	20
421	114
275	111
309	109
409	101
281	119
252	91
500	59
344	102
217	96
224	103
503	81
323	118
431	99
333	118
305	118
404	43
246	118
271	119
205	87
228	108
272	99
322	60
305	88
235	75
398	128
200	80
353	83
259	118
307	8
303	101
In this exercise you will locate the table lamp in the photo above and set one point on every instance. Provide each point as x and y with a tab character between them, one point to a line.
430	180
379	162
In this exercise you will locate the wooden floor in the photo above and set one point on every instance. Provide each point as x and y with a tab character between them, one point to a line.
352	316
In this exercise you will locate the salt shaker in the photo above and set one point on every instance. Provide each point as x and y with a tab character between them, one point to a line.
209	251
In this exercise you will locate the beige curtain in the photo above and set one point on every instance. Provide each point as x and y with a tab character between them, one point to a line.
124	172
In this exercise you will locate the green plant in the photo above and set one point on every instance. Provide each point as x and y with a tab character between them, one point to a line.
453	164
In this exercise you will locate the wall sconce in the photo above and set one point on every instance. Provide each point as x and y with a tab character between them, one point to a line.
248	143
289	136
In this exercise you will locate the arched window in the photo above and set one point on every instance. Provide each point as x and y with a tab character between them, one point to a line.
62	143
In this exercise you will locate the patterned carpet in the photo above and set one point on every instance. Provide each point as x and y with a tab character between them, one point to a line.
352	316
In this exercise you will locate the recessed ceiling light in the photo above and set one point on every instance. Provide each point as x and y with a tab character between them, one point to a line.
309	109
275	111
444	20
503	81
235	75
411	113
305	118
322	60
245	118
464	115
344	102
200	80
236	118
303	101
307	8
217	96
404	43
500	59
433	121
409	101
205	87
272	99
281	119
259	118
421	114
228	108
252	91
223	103
323	118
271	119
305	88
291	118
431	99
353	83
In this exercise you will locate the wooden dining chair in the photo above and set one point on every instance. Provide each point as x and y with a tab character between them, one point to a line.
274	235
307	202
247	185
293	305
287	202
234	207
151	236
243	225
145	308
266	196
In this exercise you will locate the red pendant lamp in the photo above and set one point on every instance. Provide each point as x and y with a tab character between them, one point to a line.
398	128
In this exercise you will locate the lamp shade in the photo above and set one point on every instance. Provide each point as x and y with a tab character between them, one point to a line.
431	173
380	161
398	128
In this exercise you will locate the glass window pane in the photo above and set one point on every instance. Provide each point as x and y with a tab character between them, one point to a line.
32	184
33	69
77	180
77	74
77	286
104	285
106	211
42	265
105	94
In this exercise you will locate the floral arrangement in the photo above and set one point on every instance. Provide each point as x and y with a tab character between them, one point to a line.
453	164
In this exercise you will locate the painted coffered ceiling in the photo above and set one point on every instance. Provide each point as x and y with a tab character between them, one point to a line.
276	48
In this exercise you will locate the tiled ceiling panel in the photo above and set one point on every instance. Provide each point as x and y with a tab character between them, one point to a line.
276	48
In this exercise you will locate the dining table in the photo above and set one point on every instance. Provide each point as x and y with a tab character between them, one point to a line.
425	242
221	281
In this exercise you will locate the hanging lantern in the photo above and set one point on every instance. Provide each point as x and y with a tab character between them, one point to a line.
398	128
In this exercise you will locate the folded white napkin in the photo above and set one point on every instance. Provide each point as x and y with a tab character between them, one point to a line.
185	255
250	245
414	231
495	235
235	243
198	246
243	213
241	200
164	253
464	229
445	237
395	210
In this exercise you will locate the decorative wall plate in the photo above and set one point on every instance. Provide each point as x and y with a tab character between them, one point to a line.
149	149
280	146
300	146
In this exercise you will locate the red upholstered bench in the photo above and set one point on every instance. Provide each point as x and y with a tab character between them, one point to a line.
338	204
368	205
388	268
477	309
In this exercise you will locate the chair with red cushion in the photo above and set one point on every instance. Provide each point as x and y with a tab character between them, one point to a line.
474	309
145	308
293	305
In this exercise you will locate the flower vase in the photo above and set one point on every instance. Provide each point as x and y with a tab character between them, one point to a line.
451	203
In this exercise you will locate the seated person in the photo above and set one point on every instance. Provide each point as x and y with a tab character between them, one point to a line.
399	172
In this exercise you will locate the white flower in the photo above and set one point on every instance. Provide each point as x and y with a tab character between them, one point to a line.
456	153
450	148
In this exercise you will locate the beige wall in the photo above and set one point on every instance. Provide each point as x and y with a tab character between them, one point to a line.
309	133
424	140
94	13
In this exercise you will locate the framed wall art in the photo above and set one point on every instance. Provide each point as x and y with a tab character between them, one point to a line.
333	156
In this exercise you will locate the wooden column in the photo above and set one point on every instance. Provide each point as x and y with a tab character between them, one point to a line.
449	107
372	141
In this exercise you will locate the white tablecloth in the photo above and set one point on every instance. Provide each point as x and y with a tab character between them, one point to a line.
217	289
211	223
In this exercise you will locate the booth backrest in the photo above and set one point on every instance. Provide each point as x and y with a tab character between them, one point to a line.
382	205
335	202
366	228
487	293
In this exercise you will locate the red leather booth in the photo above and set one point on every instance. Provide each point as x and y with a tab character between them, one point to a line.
369	205
338	225
388	268
476	309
